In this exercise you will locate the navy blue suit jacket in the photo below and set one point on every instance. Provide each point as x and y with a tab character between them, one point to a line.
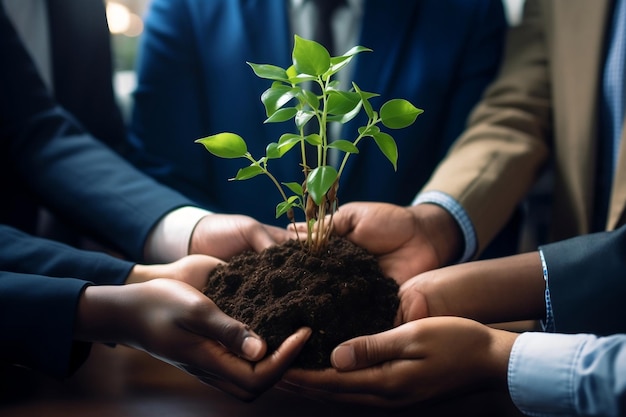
587	281
193	81
81	66
44	150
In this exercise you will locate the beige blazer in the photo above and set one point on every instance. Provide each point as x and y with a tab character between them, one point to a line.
543	105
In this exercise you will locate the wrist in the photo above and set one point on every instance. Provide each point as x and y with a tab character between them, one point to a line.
98	318
441	230
139	273
498	355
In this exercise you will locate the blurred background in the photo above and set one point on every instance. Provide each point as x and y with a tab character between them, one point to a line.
126	26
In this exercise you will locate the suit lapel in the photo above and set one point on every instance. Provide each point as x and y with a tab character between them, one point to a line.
577	58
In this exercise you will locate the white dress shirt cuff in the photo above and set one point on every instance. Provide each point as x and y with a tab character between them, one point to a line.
169	241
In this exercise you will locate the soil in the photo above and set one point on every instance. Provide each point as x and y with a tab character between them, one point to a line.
340	294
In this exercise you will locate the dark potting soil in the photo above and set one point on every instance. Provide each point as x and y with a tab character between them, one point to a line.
339	294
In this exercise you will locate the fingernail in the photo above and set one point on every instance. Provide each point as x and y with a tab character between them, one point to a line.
252	347
343	357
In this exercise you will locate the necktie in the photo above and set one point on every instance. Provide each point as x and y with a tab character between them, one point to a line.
322	26
612	109
323	34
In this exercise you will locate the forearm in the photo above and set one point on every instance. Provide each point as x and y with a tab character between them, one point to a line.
505	289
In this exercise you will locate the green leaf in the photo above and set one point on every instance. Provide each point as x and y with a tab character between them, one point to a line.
310	98
338	62
345	118
369	131
399	113
342	102
248	172
286	142
303	117
309	57
344	145
295	187
282	115
313	139
276	97
270	72
319	182
225	145
365	96
272	151
387	145
285	206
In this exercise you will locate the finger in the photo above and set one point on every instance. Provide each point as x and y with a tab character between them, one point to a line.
243	378
365	351
194	269
268	236
299	226
279	234
237	337
272	368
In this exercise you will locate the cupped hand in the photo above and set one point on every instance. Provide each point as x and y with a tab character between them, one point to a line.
420	360
405	240
179	325
226	235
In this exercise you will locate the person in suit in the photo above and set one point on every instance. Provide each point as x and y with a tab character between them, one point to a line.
575	368
547	109
46	286
80	79
552	101
193	82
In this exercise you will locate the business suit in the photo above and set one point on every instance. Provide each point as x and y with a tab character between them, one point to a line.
543	105
80	77
193	82
40	284
44	150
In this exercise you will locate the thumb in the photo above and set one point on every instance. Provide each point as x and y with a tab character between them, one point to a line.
366	351
231	333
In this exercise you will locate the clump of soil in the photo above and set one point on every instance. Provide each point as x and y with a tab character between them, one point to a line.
339	294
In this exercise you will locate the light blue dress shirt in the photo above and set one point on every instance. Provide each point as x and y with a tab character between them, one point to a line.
572	375
553	374
568	375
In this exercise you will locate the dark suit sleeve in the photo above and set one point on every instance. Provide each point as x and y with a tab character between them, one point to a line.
587	282
40	284
78	177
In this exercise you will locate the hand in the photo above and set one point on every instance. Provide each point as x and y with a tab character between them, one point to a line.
417	361
192	269
489	291
225	235
407	241
179	325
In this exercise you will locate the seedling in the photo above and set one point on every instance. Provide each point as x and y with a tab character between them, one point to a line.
291	97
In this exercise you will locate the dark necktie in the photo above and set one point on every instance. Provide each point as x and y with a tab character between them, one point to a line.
322	34
322	27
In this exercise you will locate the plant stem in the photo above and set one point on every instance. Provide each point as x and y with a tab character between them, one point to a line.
277	184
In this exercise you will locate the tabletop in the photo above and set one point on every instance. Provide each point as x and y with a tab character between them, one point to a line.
123	382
